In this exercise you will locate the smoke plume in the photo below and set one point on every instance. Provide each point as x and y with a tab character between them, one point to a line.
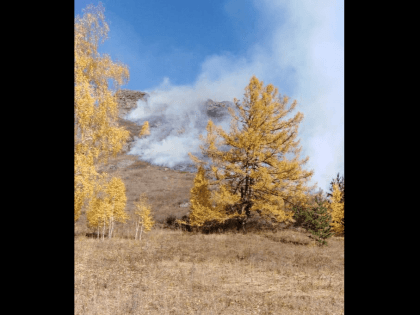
301	52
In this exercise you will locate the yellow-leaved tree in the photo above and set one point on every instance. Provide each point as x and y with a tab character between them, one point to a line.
255	176
100	209
144	218
340	182
108	207
202	209
117	198
144	129
337	211
97	135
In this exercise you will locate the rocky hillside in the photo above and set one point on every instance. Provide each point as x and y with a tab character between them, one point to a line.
127	101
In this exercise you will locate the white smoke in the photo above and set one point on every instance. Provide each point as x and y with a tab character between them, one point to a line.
176	116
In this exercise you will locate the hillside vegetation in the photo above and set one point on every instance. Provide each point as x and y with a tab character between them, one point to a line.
245	236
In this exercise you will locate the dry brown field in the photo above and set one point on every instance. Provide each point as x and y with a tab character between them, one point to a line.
178	272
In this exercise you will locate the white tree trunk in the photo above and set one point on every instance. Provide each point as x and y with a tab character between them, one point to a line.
137	230
103	231
111	227
141	230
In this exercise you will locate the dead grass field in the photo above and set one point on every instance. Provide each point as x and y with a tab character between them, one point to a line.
175	272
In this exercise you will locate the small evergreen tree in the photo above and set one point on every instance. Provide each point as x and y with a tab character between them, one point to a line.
319	194
316	220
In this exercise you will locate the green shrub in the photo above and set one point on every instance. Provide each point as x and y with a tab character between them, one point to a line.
170	220
316	220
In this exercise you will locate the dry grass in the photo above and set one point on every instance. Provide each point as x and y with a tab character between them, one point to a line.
175	272
166	190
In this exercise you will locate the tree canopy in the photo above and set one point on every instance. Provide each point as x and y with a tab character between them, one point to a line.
97	135
255	172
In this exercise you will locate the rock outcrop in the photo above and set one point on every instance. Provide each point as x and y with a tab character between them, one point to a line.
127	101
217	110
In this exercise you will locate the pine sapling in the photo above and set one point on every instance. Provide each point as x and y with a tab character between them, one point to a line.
316	220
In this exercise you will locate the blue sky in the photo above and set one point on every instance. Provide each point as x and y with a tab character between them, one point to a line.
182	52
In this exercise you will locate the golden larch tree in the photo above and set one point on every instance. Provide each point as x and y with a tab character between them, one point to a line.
337	211
255	170
97	135
202	209
340	182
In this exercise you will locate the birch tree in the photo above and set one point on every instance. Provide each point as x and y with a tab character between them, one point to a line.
97	135
117	199
108	206
99	210
255	170
144	220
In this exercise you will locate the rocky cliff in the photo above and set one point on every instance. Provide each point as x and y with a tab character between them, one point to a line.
127	101
217	110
